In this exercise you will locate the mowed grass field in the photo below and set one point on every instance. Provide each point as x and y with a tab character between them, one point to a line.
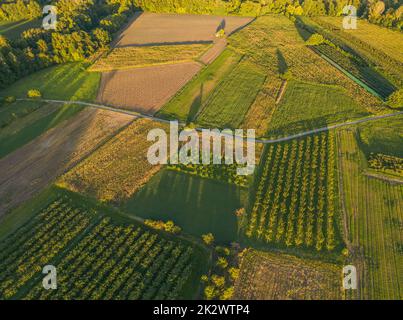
12	30
276	276
187	102
62	82
144	56
307	106
230	101
99	254
199	206
374	219
28	126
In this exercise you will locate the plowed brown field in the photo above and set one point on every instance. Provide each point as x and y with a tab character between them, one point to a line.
147	89
152	28
32	167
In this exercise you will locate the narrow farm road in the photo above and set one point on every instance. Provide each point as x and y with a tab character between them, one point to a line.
262	141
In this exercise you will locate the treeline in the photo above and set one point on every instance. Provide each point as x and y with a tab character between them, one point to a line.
387	13
20	10
83	26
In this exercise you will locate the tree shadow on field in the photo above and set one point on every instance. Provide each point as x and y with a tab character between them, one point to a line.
221	26
195	106
282	63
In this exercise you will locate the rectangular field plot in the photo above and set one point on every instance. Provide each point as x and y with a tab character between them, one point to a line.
295	202
187	102
268	276
153	28
118	169
307	106
98	255
230	101
374	219
29	169
199	206
136	57
145	89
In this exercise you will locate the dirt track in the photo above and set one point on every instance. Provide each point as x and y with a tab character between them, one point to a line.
145	90
32	167
152	28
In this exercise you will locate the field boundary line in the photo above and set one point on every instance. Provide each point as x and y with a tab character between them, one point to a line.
262	141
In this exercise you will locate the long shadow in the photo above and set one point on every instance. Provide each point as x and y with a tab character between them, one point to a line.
241	27
221	26
119	37
194	108
282	63
159	44
366	73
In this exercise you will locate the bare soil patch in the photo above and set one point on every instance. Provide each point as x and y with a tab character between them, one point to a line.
32	167
145	90
153	28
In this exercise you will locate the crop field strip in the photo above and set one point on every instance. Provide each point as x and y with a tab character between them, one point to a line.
118	169
374	218
276	276
145	56
295	204
130	261
366	42
230	101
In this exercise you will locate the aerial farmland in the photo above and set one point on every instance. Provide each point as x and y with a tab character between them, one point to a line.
85	106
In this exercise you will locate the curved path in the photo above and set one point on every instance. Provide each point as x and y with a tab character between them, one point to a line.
263	141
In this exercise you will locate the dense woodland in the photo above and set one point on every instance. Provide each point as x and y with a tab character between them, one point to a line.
84	26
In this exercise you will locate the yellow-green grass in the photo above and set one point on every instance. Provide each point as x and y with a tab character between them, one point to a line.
12	30
381	47
374	218
187	102
144	56
276	276
230	101
275	43
307	106
384	39
69	81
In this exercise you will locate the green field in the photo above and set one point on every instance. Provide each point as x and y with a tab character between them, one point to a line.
384	136
230	101
187	102
307	106
374	220
12	30
63	82
91	244
32	125
197	205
